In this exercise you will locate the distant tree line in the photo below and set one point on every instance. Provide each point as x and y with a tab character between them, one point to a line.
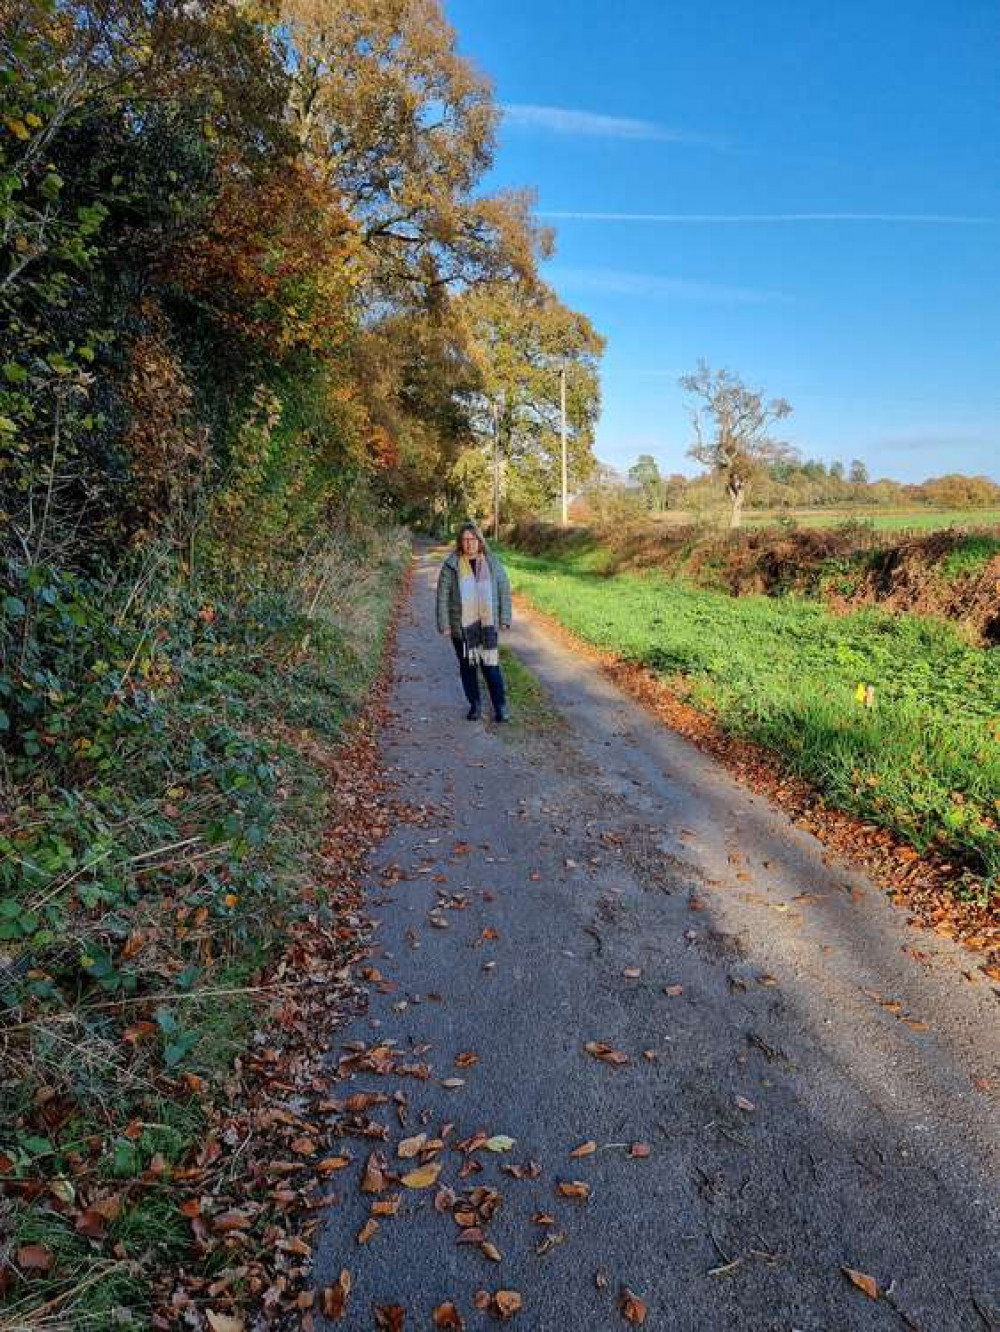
804	484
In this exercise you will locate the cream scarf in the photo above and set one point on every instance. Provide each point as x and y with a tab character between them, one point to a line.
479	632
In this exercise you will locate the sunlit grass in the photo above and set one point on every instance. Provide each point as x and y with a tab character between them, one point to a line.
784	672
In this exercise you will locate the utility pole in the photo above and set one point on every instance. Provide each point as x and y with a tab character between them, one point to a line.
562	433
496	470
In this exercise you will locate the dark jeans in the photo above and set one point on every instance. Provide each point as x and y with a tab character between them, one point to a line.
470	680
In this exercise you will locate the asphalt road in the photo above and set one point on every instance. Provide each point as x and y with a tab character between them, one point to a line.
817	1093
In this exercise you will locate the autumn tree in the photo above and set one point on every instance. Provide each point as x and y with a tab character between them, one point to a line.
858	475
731	425
521	336
646	474
405	127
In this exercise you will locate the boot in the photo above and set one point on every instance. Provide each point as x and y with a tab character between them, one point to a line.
475	712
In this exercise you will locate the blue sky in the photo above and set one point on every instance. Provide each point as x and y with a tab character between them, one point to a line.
853	150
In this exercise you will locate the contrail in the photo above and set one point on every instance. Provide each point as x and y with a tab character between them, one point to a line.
945	219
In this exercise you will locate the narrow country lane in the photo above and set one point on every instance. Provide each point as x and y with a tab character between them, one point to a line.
794	1082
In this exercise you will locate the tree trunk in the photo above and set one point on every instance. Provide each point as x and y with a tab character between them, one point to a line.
736	512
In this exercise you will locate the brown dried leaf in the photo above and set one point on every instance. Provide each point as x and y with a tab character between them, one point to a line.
447	1316
444	1200
490	1251
389	1317
220	1322
584	1149
331	1163
410	1147
633	1309
863	1281
333	1299
374	1178
35	1258
366	1232
386	1206
573	1188
607	1053
506	1303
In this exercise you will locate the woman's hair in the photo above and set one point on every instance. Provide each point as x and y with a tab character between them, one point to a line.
469	527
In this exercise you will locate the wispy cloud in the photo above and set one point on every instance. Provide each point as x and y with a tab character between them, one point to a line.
924	439
947	219
615	282
592	124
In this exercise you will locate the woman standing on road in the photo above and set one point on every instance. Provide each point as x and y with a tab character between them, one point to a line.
473	601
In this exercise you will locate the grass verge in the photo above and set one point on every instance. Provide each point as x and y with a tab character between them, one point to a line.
923	762
529	705
160	856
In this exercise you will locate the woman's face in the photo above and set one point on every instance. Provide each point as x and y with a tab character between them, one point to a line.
470	544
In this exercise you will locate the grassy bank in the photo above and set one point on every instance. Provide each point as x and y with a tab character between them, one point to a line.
784	672
950	574
158	846
895	520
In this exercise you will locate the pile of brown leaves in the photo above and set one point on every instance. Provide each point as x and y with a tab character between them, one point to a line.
255	1193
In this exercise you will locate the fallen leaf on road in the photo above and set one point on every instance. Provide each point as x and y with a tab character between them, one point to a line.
220	1322
673	990
369	1229
607	1053
452	1083
584	1149
389	1317
863	1281
499	1143
744	1104
506	1303
639	1150
601	1280
466	1059
550	1241
490	1251
632	973
447	1316
573	1188
423	1177
374	1178
386	1206
410	1147
364	1101
331	1163
333	1300
633	1309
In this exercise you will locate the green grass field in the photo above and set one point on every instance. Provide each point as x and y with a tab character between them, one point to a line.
924	762
890	520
